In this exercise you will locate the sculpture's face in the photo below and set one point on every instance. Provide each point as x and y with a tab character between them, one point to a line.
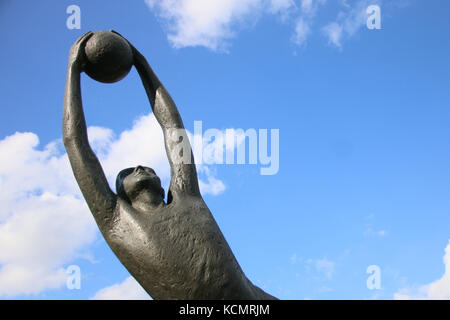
142	179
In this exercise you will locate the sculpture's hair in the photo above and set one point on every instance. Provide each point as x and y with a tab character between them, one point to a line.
119	185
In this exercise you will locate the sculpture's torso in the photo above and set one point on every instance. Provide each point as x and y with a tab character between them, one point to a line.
177	251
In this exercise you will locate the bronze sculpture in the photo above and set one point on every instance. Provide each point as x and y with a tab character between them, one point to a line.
175	250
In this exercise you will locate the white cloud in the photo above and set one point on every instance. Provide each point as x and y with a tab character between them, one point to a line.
437	290
129	289
203	22
44	221
212	24
213	186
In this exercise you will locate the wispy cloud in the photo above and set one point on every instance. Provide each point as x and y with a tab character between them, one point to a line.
370	230
302	31
280	6
305	20
349	21
212	24
324	266
333	31
295	259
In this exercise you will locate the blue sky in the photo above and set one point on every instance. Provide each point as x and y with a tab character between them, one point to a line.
364	158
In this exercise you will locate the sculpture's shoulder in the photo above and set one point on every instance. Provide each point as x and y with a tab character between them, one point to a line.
194	213
187	204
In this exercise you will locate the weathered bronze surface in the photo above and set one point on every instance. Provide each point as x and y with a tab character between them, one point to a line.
174	249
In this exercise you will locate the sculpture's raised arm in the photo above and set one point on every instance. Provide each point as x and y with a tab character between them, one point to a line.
179	152
85	165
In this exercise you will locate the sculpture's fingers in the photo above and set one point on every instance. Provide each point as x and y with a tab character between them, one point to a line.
137	56
77	50
114	31
84	36
129	43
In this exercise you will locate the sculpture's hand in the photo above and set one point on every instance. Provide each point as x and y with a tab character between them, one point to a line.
77	56
138	59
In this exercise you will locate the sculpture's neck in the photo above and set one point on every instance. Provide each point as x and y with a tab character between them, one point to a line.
147	201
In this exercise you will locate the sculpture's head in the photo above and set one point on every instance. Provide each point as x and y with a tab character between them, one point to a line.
131	183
